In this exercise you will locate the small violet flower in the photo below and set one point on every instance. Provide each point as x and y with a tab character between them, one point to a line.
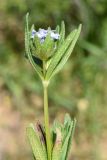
42	33
33	33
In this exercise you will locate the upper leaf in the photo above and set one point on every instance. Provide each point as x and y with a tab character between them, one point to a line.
63	53
59	54
68	52
28	51
62	33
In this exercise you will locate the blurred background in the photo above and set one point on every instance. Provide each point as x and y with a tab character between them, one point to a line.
79	89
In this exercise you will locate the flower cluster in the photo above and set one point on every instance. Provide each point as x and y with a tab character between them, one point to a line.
42	34
43	43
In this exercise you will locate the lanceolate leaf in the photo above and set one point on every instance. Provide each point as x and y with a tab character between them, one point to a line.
37	46
68	52
57	146
63	155
62	33
67	123
48	46
32	28
59	54
27	48
36	144
57	29
72	133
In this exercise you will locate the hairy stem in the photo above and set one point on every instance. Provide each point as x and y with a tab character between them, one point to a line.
46	115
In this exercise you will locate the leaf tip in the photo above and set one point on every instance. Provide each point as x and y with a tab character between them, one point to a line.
62	22
27	14
80	27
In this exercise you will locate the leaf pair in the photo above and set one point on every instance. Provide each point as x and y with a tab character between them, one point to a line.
61	139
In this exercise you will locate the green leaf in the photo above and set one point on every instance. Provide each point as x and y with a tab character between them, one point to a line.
28	51
57	29
67	123
67	119
57	146
62	34
70	139
67	140
32	27
37	46
59	54
57	140
68	52
48	46
36	144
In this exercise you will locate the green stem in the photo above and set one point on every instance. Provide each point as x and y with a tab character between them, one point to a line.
46	116
44	67
47	128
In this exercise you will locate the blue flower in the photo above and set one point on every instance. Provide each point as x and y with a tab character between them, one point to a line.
33	33
42	33
55	36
